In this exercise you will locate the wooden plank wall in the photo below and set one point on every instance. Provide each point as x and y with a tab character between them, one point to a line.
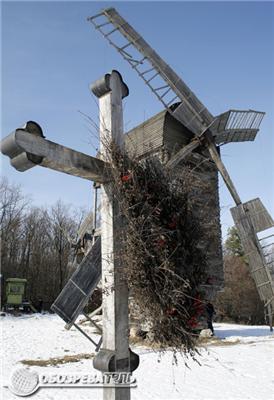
146	137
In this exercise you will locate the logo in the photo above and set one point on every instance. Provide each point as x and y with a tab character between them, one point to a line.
24	382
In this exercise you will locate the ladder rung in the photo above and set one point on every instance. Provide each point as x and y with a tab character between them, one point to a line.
132	60
267	245
171	101
266	237
258	269
104	24
148	70
263	284
125	46
156	94
166	92
95	16
150	79
121	50
161	87
109	33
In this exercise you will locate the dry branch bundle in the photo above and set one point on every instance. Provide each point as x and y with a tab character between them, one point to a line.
162	256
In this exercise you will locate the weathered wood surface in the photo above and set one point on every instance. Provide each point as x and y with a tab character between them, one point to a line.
114	286
260	217
181	154
236	126
27	150
168	87
158	132
76	293
192	113
246	224
222	169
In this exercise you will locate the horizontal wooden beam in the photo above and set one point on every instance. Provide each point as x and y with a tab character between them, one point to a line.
27	150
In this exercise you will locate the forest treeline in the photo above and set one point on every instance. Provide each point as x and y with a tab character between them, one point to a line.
239	301
36	245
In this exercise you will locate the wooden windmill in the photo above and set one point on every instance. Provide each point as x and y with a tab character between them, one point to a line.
208	132
198	132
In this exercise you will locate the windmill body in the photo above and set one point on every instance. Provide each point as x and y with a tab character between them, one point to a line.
208	130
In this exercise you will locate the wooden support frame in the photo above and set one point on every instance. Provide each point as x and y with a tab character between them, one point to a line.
209	141
182	153
111	90
27	150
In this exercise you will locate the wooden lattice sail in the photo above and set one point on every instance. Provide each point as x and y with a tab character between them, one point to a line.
251	218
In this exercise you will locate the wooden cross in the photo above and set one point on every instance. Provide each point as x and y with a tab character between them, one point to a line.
26	147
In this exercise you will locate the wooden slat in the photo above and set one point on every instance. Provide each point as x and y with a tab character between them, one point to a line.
219	164
146	137
261	219
181	154
192	113
76	293
244	223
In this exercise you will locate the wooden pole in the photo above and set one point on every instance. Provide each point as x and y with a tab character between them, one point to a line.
222	169
110	90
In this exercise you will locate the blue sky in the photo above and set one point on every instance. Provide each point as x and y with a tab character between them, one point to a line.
50	55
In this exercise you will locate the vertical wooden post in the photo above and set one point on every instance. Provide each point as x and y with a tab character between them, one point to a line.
111	90
95	205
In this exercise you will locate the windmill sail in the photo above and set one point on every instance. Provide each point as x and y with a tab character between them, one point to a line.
250	218
76	293
149	66
236	126
169	88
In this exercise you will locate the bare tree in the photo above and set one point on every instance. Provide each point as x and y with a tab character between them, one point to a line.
36	242
12	207
63	228
239	301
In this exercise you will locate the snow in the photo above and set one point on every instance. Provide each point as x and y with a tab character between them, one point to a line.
239	366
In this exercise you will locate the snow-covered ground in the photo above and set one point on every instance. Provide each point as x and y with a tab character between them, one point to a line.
240	366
